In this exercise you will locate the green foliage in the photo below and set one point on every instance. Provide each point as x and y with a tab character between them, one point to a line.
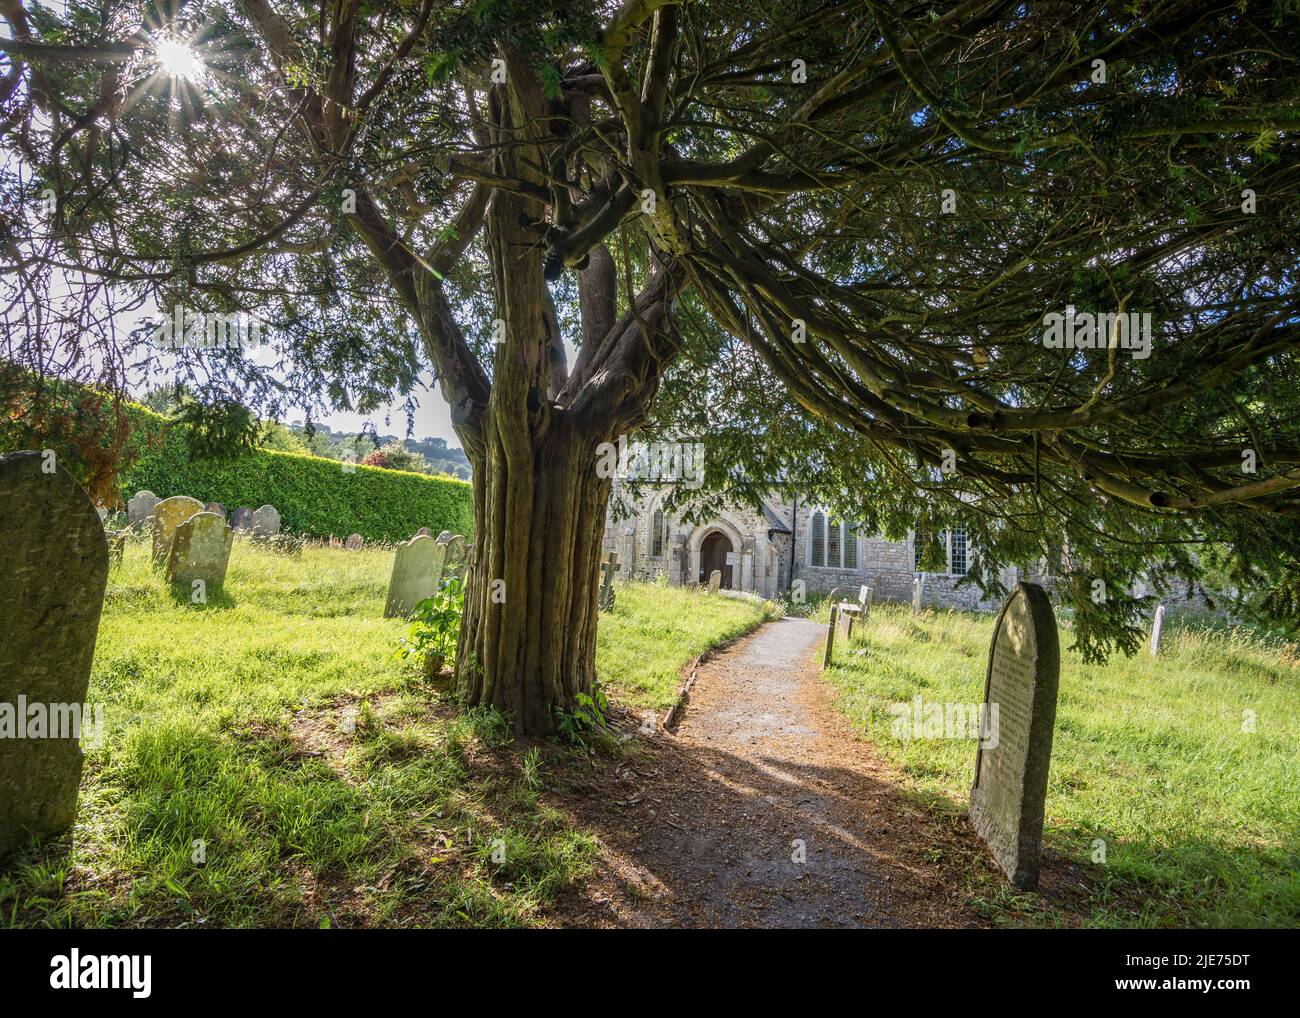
1183	764
435	626
315	496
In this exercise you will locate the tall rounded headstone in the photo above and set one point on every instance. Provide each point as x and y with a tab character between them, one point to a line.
140	507
53	570
1010	790
169	514
241	519
417	571
266	521
199	555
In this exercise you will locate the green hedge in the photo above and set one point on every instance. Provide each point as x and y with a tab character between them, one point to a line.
315	496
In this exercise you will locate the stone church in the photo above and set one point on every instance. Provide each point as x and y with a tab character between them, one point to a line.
764	551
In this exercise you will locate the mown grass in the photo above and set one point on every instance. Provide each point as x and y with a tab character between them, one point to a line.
1155	757
655	630
267	762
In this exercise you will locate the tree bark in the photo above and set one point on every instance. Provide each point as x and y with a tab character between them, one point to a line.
528	634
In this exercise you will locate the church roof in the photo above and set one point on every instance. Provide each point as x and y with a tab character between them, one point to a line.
774	521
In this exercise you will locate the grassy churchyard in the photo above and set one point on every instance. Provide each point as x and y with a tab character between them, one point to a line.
1182	768
268	762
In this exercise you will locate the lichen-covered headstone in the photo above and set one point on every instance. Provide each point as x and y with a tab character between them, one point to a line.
200	553
1010	789
457	548
355	542
53	570
215	507
266	521
417	571
169	514
715	581
241	519
140	507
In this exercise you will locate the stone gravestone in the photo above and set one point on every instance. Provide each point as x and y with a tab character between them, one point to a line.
140	507
607	597
169	514
1010	788
215	507
417	571
456	549
830	635
918	592
241	519
200	551
266	521
424	532
53	570
1157	628
715	581
354	542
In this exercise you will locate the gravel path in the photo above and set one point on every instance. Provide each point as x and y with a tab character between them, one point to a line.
706	828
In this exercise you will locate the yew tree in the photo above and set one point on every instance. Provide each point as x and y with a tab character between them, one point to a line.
834	230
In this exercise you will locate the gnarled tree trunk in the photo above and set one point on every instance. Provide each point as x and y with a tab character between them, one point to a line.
528	635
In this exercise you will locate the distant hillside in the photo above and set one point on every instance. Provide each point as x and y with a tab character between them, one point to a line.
439	458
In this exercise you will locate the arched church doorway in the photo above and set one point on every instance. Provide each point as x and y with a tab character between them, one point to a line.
713	555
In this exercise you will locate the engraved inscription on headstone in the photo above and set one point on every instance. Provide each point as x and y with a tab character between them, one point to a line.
1010	788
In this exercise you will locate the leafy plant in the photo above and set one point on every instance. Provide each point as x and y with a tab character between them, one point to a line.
435	627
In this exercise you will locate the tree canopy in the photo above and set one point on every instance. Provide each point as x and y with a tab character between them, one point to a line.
1024	267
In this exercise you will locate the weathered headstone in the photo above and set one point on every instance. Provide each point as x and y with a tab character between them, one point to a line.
830	635
918	592
354	542
215	507
140	507
169	514
417	571
715	581
1010	788
200	553
424	532
266	521
607	596
241	519
1157	628
53	570
457	548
